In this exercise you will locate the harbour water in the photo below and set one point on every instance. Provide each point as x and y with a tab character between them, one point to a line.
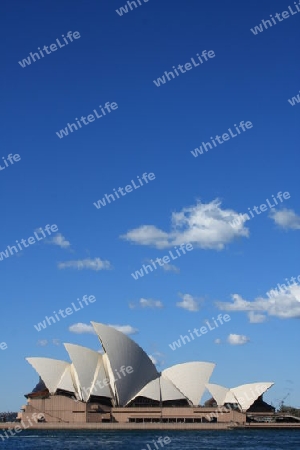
148	440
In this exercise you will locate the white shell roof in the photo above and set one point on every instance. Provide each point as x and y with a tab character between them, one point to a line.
230	397
90	368
109	372
160	389
87	364
66	381
122	351
221	394
248	393
50	370
169	391
101	383
245	395
190	378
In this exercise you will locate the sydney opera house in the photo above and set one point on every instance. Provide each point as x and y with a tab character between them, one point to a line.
122	385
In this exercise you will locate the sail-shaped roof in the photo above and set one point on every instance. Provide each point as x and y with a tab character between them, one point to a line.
106	375
190	378
50	370
124	352
89	367
161	389
221	394
66	382
245	394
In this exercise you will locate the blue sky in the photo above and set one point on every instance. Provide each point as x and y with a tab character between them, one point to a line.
192	199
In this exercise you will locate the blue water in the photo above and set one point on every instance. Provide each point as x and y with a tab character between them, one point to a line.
137	440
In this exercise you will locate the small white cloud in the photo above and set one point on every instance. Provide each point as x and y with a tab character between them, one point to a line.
256	318
218	341
188	302
91	264
58	239
56	341
146	303
81	328
170	268
237	339
286	218
126	329
42	342
205	225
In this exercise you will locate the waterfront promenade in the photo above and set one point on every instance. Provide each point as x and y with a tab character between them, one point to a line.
152	426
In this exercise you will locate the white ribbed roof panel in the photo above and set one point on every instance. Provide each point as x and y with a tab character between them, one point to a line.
122	351
230	397
151	390
85	362
219	393
246	394
76	382
101	383
161	389
109	373
190	378
50	370
66	382
169	391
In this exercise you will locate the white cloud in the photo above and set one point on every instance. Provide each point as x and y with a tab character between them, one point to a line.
58	239
148	235
150	303
91	264
146	303
285	305
218	341
170	268
237	339
188	302
256	318
81	328
286	218
42	342
205	225
126	329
